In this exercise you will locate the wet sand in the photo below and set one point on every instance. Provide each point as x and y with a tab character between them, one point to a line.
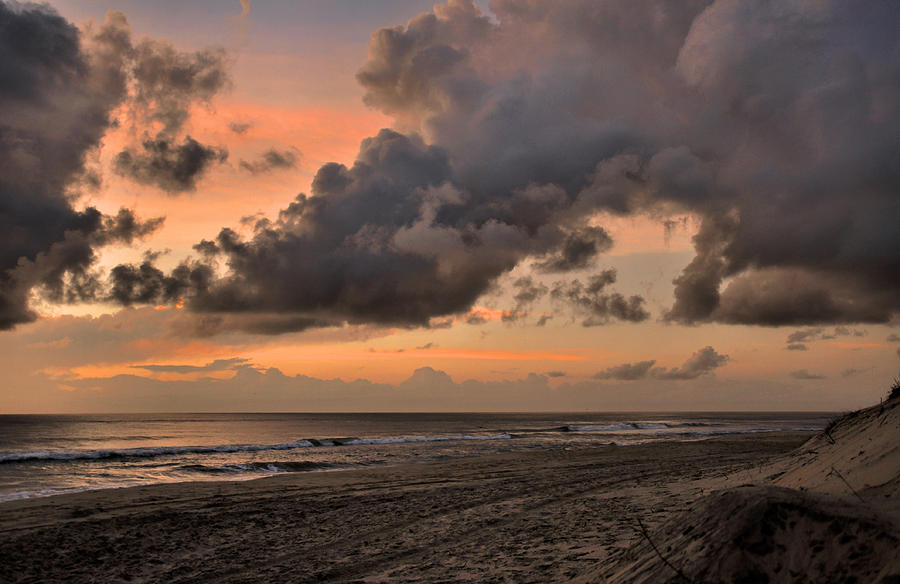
548	516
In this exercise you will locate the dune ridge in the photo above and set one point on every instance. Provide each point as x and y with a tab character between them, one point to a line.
825	512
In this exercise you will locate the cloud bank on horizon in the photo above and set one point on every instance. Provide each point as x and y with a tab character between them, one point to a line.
773	122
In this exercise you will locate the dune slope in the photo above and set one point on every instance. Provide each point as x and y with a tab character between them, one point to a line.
826	512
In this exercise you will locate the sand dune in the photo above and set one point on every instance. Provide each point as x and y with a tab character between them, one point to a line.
764	534
858	451
826	512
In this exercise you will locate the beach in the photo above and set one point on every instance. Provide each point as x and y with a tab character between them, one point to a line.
784	506
540	516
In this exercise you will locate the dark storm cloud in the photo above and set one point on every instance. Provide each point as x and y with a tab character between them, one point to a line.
773	123
56	95
773	131
810	185
270	160
366	247
599	305
626	371
172	167
797	347
146	283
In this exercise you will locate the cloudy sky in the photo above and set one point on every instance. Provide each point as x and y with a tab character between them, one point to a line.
519	205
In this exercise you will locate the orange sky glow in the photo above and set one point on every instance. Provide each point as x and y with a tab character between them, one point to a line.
293	94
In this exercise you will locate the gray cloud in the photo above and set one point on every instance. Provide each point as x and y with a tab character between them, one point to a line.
146	283
57	90
270	160
599	305
578	250
803	336
239	127
475	319
368	246
172	167
799	339
527	291
168	81
734	158
772	123
851	372
217	365
163	83
703	362
804	374
627	371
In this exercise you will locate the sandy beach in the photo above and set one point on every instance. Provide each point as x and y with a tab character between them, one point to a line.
524	517
602	514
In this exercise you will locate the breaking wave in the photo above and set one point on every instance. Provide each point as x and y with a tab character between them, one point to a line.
265	467
157	451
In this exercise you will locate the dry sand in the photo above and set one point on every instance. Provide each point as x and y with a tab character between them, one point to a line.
607	514
523	517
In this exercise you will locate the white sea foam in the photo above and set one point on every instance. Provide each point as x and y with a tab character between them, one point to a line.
618	427
143	452
362	441
157	451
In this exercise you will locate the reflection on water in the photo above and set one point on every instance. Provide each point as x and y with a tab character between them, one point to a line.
42	455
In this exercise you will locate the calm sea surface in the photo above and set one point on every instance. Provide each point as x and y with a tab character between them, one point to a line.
44	455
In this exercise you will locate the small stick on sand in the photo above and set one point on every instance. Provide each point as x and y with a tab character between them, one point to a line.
659	553
838	474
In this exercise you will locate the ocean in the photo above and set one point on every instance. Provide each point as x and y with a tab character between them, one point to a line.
48	454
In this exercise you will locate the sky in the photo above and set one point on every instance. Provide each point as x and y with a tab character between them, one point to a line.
395	205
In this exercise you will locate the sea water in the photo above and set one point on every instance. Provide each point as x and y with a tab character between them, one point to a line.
49	454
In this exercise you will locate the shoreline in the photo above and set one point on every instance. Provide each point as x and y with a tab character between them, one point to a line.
27	495
521	516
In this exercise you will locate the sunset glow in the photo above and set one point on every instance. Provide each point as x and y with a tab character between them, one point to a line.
339	192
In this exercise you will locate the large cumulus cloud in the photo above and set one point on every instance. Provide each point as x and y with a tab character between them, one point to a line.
55	103
774	122
59	89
